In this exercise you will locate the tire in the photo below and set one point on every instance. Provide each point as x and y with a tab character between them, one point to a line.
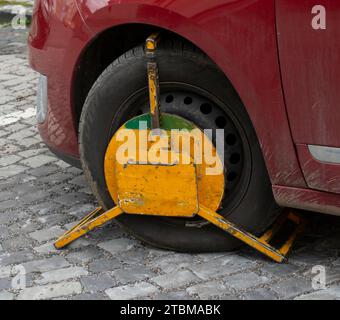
121	93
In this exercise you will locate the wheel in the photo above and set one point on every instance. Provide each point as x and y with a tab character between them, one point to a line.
193	88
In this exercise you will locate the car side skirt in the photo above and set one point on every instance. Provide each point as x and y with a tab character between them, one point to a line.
307	199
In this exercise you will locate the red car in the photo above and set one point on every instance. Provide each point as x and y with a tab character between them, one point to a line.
266	71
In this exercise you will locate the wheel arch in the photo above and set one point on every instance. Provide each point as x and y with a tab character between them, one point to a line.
109	45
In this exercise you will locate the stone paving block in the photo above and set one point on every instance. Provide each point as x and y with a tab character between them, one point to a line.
20	135
30	153
309	258
8	160
37	161
133	274
6	195
280	270
79	181
173	262
46	248
230	297
15	257
5	283
104	265
222	266
43	171
245	280
47	234
4	232
9	149
30	121
71	198
4	76
36	196
111	231
15	243
15	127
17	115
23	188
84	255
133	291
117	245
211	256
51	291
62	275
86	190
11	170
62	164
52	219
23	227
260	294
45	265
81	210
290	288
156	253
6	99
134	257
177	279
208	290
61	189
79	244
56	178
5	217
46	208
5	272
3	133
99	282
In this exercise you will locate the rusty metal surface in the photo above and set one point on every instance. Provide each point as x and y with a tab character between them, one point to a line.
164	190
210	187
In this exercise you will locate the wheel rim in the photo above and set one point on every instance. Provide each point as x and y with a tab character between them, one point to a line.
207	112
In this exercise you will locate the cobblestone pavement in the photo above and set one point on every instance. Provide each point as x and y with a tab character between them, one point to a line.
41	196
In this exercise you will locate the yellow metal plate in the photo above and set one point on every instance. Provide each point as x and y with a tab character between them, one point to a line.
165	190
210	188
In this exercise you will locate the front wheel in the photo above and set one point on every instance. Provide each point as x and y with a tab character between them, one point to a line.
191	87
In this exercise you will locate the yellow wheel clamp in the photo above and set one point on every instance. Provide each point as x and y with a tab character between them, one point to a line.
171	183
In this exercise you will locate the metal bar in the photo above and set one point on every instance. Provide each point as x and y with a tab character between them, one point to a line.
90	222
153	79
274	229
240	234
300	227
90	216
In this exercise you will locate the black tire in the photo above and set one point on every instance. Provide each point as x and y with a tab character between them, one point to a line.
117	96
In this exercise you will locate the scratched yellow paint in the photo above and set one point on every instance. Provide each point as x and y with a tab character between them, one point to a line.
163	190
210	188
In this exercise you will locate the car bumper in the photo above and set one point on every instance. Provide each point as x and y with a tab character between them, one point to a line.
55	44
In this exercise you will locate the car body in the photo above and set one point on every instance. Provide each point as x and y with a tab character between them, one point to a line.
284	71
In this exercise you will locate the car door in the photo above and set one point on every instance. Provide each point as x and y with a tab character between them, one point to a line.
308	34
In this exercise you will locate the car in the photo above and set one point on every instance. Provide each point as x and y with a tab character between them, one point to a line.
265	71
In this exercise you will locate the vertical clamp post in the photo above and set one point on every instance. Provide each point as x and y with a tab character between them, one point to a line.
153	79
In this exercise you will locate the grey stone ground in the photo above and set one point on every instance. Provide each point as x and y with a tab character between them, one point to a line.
40	197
